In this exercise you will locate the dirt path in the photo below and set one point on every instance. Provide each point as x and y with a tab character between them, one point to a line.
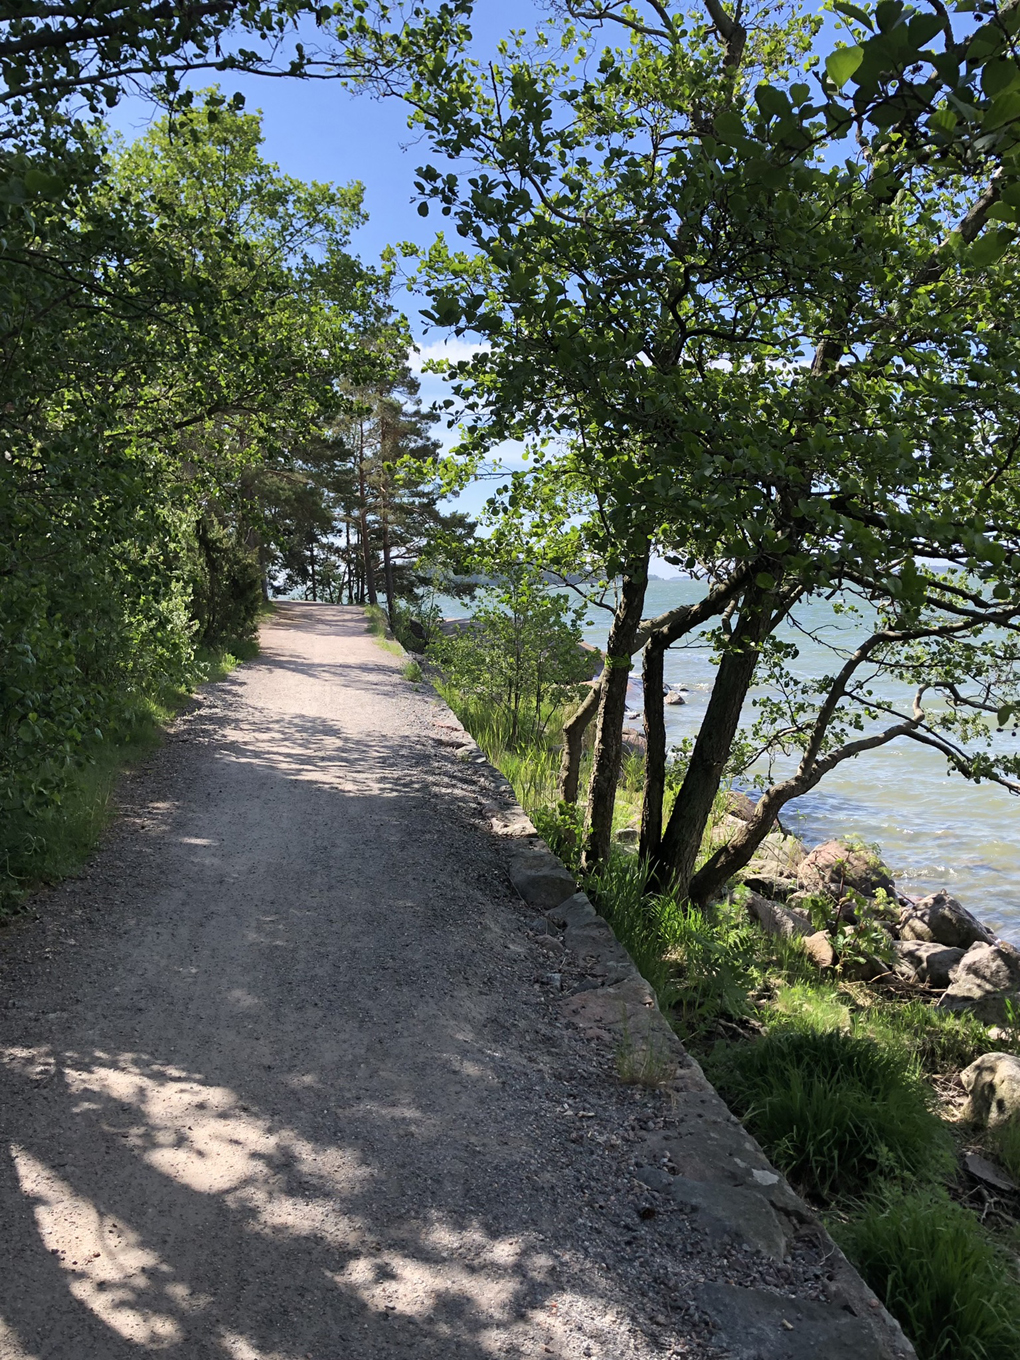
285	1076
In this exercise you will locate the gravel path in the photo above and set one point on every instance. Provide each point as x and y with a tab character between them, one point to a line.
286	1075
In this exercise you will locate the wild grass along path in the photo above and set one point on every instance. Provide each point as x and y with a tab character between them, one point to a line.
284	1075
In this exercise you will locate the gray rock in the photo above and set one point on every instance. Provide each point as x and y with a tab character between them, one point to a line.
984	1170
655	1178
734	1213
627	835
925	961
983	981
539	926
575	911
775	919
993	1085
941	919
540	878
834	867
754	1324
675	698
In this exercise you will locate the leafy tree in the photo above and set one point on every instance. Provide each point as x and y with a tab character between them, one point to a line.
520	652
787	367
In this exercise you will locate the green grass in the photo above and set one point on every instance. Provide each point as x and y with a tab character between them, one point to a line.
836	1112
379	627
950	1285
413	672
57	844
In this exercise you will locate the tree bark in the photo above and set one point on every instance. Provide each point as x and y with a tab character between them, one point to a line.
573	739
655	748
366	548
673	625
388	571
612	710
673	866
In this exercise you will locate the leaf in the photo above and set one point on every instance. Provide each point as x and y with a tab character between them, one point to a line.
423	210
999	76
842	63
799	93
923	27
989	247
771	101
887	13
1004	714
1004	109
853	12
729	126
764	581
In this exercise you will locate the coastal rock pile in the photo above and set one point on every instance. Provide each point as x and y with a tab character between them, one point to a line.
869	930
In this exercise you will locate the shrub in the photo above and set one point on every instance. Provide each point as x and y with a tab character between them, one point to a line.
934	1268
836	1112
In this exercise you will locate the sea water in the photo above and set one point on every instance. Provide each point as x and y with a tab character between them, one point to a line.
934	830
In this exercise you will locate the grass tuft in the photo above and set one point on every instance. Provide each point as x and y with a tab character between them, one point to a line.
948	1283
836	1112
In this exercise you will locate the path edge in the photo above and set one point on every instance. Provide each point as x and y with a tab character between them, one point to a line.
623	1013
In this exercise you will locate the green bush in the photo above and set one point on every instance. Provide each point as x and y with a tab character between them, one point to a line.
939	1273
836	1112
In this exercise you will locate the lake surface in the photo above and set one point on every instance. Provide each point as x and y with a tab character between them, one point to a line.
934	831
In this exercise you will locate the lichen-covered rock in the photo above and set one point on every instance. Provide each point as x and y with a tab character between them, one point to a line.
924	961
993	1084
941	919
836	866
983	981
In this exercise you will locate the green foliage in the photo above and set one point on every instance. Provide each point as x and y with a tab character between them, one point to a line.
520	653
413	672
226	585
837	1113
929	1261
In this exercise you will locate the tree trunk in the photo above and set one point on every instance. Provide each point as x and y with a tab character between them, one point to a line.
655	748
366	548
612	710
673	866
388	572
311	558
573	739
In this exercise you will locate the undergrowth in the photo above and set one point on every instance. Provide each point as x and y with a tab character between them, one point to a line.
57	842
836	1112
951	1286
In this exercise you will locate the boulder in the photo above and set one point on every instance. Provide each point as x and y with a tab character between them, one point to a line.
675	697
775	919
738	804
942	920
627	835
818	948
993	1084
540	878
773	870
834	867
925	961
983	981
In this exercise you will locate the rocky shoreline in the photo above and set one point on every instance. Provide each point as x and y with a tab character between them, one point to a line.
840	901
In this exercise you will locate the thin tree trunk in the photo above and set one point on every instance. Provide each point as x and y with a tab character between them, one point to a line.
655	748
612	710
673	866
350	563
573	741
388	571
311	554
366	548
